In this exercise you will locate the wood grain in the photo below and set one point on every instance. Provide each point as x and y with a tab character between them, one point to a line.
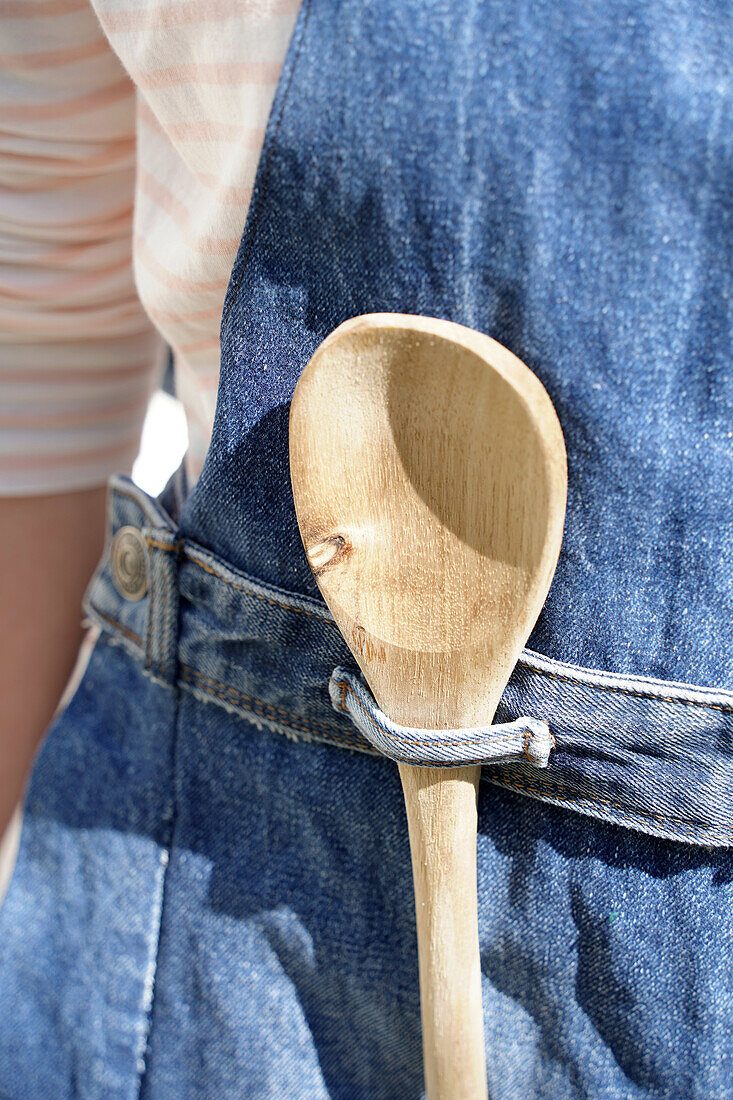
429	479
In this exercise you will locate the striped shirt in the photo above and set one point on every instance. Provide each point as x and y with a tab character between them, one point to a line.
129	137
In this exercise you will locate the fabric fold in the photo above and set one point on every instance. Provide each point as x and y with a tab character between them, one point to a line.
438	748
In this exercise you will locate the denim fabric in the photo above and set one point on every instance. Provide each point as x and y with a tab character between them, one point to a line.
528	737
213	891
557	176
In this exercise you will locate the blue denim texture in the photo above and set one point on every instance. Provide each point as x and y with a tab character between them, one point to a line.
559	177
213	892
495	744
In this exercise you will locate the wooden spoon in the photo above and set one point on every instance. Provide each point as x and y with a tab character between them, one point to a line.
429	477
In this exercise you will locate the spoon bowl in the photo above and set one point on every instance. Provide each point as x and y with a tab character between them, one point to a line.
430	493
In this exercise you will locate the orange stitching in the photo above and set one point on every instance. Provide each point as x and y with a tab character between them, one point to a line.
169	548
149	637
188	672
108	618
295	722
161	626
225	687
420	740
725	707
249	592
345	741
536	788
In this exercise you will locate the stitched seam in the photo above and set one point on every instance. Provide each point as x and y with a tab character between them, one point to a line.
168	548
249	592
151	612
162	626
558	791
234	695
722	707
231	292
537	788
134	500
148	640
124	630
113	641
170	818
421	740
725	707
294	727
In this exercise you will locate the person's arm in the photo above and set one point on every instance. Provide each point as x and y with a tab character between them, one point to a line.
48	550
78	356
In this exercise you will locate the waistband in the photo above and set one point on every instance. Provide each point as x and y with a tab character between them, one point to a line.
651	755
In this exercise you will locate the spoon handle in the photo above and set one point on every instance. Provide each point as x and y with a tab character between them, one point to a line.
442	821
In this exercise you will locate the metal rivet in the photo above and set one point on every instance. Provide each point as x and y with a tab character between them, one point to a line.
129	558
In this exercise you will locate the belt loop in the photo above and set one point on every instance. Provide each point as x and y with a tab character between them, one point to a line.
161	642
525	737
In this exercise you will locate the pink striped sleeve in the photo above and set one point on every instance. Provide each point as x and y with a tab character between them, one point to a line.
78	355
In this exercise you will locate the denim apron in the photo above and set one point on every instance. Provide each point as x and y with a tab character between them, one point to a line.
213	894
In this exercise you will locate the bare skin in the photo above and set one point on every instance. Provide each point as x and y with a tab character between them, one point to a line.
49	547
